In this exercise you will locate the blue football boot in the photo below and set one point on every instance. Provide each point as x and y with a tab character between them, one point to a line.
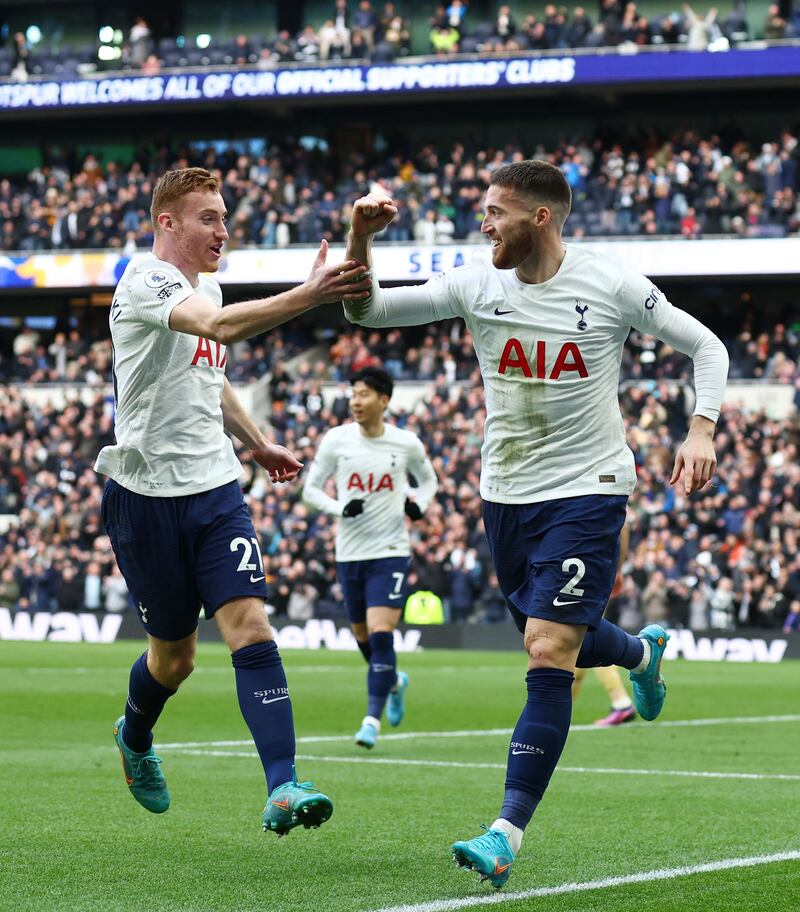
142	773
295	804
396	704
649	688
367	735
490	855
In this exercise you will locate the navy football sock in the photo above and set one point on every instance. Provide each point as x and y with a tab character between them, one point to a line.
610	645
366	649
382	672
537	742
146	699
267	709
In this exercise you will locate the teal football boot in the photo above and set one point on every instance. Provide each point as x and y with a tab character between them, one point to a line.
142	774
490	855
649	688
367	735
295	804
396	704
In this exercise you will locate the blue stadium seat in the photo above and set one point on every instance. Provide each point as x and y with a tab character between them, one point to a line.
383	52
483	31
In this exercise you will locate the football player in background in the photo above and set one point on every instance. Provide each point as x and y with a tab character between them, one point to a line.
371	460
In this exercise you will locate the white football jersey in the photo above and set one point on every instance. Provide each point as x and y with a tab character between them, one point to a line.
169	429
550	355
375	470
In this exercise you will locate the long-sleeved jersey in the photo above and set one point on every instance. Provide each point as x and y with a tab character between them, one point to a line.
375	470
550	355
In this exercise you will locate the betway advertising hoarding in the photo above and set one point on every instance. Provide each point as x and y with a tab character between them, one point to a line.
746	645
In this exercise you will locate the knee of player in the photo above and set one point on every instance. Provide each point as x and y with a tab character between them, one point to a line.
172	671
545	652
380	627
252	631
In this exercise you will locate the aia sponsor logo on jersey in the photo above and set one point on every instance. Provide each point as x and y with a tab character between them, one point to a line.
370	484
213	354
538	364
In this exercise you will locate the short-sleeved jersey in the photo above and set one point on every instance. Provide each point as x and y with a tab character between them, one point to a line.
375	470
550	355
167	385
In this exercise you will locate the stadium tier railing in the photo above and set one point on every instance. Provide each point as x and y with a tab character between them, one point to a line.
587	67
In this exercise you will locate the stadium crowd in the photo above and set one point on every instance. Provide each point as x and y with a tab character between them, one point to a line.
360	30
761	349
724	558
84	356
648	185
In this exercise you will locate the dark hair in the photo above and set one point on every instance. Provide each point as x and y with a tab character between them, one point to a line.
375	378
540	180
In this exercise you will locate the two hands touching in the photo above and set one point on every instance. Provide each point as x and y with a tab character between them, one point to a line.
345	281
350	279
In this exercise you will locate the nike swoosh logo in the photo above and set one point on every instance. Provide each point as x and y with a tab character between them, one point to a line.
500	313
399	595
255	579
558	603
515	752
380	667
498	868
275	699
284	805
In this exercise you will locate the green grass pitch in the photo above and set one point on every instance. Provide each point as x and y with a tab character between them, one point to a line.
73	839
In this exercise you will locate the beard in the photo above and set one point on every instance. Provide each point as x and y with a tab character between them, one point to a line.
512	251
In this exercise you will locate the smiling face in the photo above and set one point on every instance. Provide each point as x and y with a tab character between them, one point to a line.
511	221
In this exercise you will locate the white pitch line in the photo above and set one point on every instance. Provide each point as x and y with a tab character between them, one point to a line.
491	899
331	739
457	764
477	733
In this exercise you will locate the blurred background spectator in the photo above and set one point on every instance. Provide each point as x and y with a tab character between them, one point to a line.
648	184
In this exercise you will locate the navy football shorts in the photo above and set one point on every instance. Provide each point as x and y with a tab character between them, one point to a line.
557	559
373	584
179	554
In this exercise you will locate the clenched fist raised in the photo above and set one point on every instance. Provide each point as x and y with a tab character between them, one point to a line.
372	213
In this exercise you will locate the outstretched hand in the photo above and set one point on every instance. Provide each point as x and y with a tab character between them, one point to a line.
280	464
346	281
372	213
